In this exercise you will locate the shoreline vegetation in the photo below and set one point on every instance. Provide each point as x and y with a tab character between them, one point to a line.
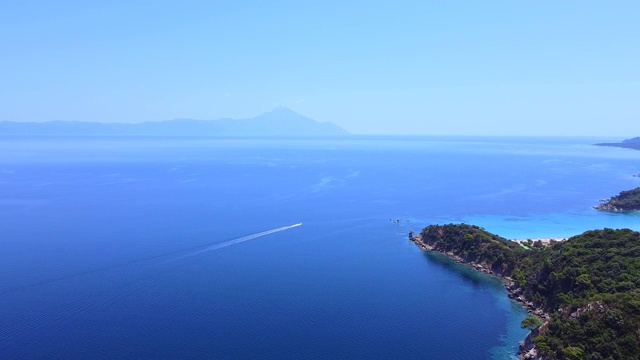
583	292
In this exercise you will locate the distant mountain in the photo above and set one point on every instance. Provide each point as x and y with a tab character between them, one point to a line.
635	140
633	143
278	122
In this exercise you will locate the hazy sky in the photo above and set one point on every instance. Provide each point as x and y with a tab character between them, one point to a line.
396	67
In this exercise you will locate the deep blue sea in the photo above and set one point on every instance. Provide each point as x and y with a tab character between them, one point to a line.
176	248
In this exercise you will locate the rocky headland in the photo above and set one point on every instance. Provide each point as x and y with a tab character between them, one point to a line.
584	290
625	201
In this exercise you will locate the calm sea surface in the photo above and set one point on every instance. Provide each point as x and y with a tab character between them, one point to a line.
151	248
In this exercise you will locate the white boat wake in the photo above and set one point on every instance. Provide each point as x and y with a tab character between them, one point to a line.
119	292
150	261
238	240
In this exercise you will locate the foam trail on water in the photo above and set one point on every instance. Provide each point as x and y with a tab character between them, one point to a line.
238	240
150	260
74	310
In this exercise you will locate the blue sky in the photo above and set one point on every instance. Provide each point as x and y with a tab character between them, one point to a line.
401	67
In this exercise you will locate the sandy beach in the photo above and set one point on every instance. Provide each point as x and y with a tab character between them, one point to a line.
545	241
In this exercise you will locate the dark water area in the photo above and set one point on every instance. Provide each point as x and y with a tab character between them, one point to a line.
163	248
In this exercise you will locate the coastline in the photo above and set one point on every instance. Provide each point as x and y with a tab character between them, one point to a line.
526	347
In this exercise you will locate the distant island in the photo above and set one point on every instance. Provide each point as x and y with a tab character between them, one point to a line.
633	143
279	122
627	200
584	293
624	202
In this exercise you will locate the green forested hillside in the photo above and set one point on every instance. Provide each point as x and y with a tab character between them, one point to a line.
474	244
589	284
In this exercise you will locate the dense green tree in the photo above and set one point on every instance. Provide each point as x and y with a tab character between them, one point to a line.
531	323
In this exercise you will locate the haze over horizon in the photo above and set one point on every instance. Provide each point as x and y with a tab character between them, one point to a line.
428	68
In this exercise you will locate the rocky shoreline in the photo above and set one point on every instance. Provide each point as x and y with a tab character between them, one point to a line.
607	206
626	201
527	349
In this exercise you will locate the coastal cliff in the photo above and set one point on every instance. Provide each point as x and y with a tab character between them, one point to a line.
586	289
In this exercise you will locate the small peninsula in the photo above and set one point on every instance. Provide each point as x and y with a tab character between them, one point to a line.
584	292
626	201
633	143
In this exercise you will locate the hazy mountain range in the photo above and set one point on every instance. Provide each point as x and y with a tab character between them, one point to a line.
278	122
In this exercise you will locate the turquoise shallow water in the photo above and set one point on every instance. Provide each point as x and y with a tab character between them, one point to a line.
554	225
156	248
